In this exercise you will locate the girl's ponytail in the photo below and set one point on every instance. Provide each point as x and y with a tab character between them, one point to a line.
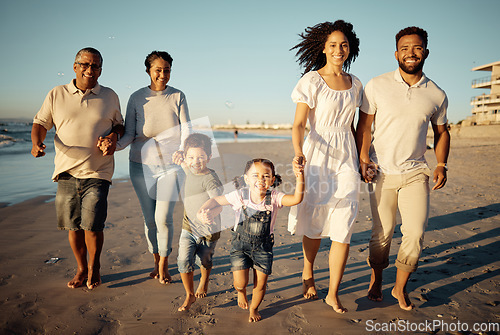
239	182
277	180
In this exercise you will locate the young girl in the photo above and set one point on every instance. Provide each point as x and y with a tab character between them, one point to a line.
256	209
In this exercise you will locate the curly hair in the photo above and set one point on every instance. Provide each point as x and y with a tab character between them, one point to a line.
412	31
155	55
310	50
197	140
239	181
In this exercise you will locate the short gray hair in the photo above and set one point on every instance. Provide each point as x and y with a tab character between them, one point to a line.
90	51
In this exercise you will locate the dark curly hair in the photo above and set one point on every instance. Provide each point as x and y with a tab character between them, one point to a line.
239	181
155	55
412	31
310	50
197	140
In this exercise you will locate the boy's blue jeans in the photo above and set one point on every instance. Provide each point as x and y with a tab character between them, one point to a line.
194	250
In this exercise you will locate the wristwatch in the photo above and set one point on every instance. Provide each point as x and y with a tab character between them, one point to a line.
443	165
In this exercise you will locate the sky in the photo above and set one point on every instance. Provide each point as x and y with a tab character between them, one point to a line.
232	58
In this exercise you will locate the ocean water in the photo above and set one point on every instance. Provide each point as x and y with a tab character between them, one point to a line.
23	177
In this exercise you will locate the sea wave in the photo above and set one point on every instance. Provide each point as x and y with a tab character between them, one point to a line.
6	141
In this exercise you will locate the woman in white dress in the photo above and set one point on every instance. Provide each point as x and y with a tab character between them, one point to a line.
327	96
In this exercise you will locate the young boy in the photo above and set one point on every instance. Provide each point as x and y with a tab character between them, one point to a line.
197	241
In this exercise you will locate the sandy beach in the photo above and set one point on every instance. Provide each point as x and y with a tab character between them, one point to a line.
457	282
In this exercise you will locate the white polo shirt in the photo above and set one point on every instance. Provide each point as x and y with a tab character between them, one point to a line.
402	115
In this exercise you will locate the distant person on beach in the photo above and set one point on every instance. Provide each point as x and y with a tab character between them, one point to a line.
157	114
156	125
196	244
255	206
235	134
401	104
84	115
327	96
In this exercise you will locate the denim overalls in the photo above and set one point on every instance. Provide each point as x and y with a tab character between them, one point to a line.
252	244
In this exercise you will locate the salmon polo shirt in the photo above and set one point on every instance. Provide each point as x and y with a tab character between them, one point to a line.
79	119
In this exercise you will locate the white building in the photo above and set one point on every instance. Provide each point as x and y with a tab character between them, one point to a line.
486	107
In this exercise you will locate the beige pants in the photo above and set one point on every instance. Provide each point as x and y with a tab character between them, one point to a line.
410	193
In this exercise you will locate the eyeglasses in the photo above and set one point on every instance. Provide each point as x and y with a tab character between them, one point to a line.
85	66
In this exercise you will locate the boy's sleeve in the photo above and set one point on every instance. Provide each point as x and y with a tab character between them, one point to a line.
214	187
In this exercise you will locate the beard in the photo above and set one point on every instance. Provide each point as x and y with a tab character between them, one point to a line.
413	68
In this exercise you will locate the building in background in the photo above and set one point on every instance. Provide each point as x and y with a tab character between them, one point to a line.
486	107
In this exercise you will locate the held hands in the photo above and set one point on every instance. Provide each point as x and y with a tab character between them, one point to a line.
178	157
368	170
298	164
439	177
38	150
205	216
107	144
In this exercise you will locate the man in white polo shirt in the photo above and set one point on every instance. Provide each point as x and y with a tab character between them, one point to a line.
400	105
87	120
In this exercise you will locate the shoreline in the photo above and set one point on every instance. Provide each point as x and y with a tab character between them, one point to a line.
36	173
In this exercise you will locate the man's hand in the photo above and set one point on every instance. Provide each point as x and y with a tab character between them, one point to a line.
439	177
107	144
368	170
38	150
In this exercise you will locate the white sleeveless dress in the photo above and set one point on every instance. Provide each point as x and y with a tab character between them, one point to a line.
331	199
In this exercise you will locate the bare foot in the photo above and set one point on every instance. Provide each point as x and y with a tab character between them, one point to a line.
94	279
242	300
254	316
308	289
403	300
375	290
190	299
334	302
166	280
78	279
201	291
154	274
164	275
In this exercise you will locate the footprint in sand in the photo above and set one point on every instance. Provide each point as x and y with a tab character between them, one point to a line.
276	298
423	297
137	315
295	320
5	280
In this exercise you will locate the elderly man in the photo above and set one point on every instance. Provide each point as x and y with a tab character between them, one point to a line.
88	121
401	104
